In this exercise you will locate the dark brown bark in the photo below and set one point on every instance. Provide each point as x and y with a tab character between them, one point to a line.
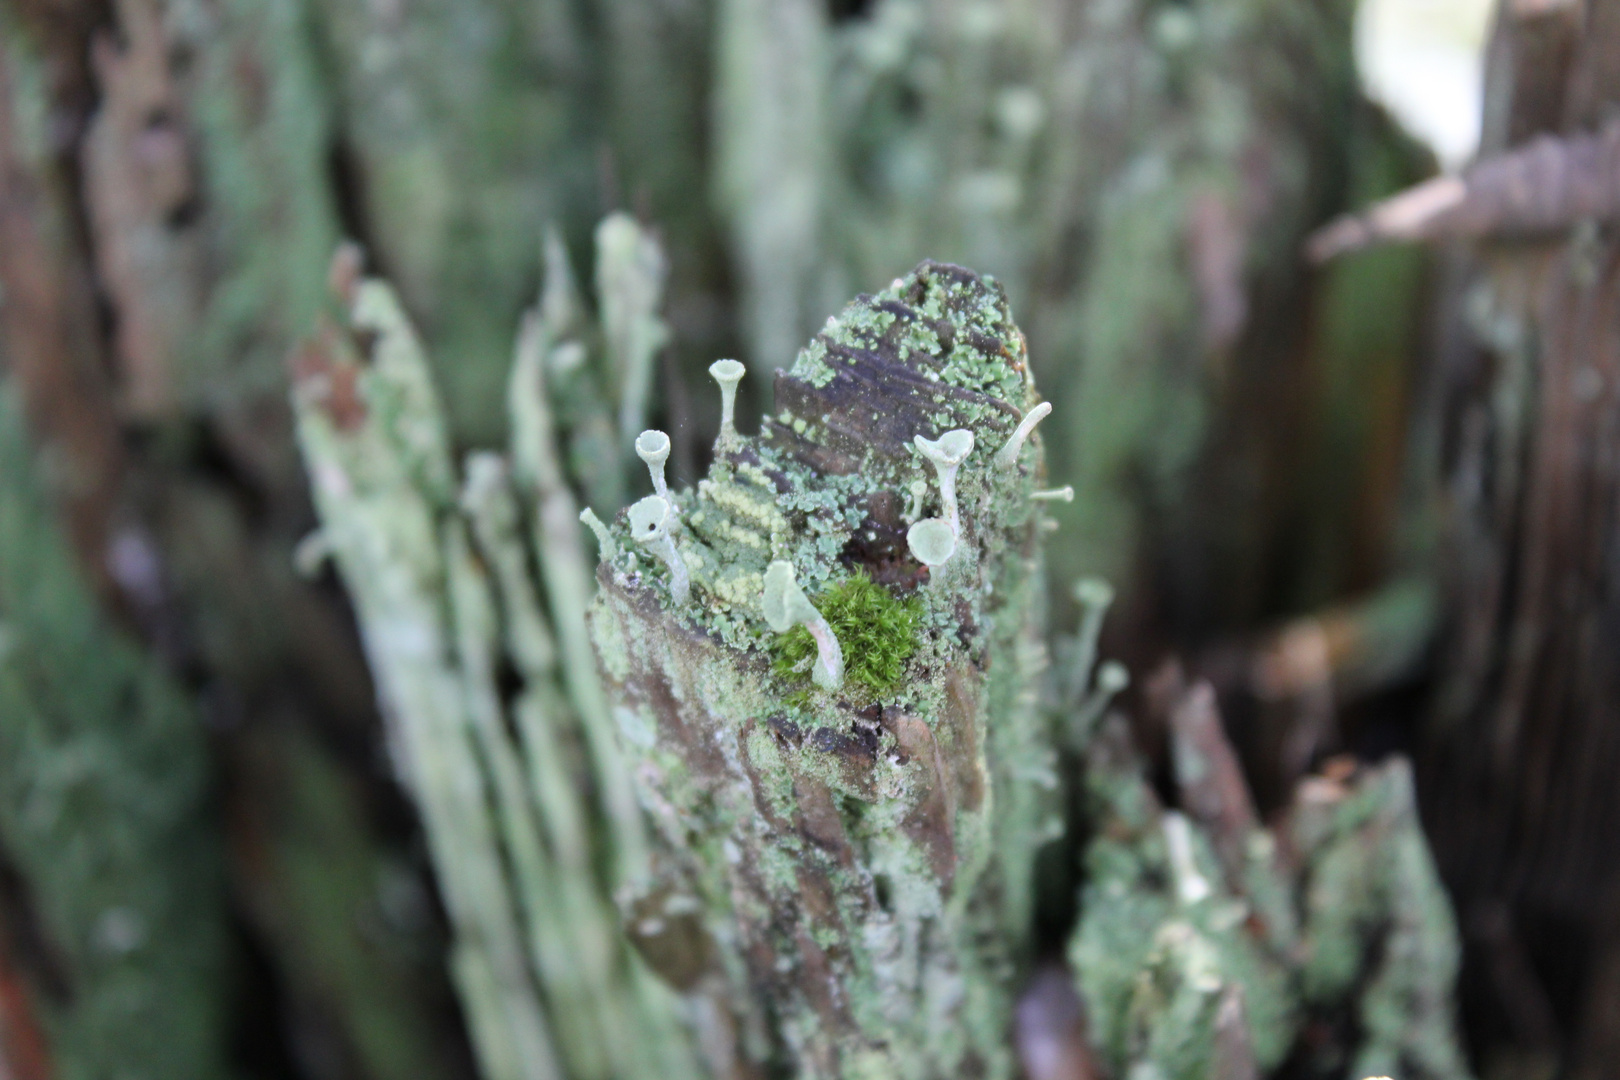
1525	737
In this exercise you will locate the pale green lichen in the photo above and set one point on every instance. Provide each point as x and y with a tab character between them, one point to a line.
652	447
1007	456
932	541
728	373
1162	935
529	836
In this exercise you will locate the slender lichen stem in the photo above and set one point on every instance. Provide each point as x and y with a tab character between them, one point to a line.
947	453
1191	886
1112	677
1007	456
786	606
607	548
1095	597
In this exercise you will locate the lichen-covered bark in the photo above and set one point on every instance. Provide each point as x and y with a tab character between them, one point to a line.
438	568
177	191
1211	946
103	814
861	861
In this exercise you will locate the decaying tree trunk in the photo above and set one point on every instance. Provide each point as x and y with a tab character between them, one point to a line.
175	176
1525	730
860	852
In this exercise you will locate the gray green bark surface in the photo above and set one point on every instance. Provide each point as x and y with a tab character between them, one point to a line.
103	799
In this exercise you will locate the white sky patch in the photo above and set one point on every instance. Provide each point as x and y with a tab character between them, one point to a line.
1424	61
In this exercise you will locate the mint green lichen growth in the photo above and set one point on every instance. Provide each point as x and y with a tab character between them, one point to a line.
878	634
854	787
1163	937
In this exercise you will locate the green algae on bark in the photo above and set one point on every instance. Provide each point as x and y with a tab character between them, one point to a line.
860	859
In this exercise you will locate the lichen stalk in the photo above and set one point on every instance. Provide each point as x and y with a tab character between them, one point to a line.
728	373
630	273
650	522
947	454
537	467
1007	456
1112	677
785	606
1095	596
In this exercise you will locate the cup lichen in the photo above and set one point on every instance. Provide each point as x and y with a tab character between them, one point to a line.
932	541
728	373
652	447
947	453
650	521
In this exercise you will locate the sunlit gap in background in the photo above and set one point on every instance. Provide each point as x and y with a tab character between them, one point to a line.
1424	61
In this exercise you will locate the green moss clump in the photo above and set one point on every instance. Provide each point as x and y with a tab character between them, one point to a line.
877	633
